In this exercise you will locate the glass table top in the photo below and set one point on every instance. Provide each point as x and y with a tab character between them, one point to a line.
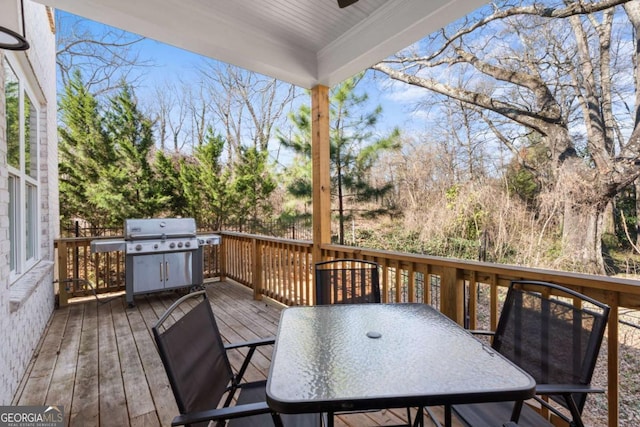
368	356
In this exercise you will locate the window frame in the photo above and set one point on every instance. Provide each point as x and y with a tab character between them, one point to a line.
24	196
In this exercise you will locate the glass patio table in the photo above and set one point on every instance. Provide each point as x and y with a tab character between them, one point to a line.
335	358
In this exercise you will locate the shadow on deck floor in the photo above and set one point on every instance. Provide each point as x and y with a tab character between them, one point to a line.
98	358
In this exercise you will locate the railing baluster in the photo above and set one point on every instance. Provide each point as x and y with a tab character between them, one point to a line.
283	270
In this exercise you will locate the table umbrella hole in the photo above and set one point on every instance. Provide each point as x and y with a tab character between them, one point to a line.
374	334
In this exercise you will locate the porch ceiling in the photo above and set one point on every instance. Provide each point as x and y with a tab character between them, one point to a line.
304	42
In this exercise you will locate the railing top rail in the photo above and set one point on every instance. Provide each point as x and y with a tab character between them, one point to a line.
295	242
624	285
603	283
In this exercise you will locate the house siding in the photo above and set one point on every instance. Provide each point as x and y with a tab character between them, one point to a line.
27	303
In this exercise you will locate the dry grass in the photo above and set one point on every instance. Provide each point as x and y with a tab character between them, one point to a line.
596	409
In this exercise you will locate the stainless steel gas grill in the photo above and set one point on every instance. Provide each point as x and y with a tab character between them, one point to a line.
160	254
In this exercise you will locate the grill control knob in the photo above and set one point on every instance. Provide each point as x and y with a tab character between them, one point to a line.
172	245
138	247
179	244
155	246
187	244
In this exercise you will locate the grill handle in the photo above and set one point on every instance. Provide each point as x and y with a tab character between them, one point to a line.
163	236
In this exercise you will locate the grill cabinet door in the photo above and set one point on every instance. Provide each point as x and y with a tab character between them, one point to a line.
178	269
148	275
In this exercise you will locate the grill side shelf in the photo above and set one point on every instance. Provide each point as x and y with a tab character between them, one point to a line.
107	245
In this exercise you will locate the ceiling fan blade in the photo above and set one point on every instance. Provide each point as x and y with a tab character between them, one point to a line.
345	3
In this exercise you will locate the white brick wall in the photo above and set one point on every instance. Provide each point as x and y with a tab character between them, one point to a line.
5	383
26	305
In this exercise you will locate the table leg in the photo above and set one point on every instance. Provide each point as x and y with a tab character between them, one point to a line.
419	421
328	419
447	415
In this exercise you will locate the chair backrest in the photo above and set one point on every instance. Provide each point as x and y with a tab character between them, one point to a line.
347	281
193	353
555	339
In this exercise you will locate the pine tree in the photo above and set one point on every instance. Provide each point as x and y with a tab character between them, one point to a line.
83	150
167	182
252	185
353	152
127	184
205	183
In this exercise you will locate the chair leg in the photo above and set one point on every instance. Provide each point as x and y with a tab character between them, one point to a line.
433	417
277	420
327	419
419	421
447	416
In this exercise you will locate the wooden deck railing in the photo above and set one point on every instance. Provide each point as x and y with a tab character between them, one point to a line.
469	292
82	273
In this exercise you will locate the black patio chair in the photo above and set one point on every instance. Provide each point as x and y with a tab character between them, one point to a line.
554	334
200	374
347	281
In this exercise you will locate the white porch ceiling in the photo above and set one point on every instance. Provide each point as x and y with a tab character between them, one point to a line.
304	42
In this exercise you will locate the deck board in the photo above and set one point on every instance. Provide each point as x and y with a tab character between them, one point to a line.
34	387
98	358
64	373
113	406
86	393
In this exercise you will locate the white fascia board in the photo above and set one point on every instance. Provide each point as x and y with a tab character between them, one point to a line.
185	28
396	26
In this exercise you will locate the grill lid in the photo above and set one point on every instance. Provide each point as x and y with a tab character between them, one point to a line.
159	228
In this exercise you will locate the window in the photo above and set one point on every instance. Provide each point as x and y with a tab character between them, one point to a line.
22	135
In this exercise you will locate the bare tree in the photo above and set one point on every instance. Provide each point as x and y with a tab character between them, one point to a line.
161	111
106	57
549	69
199	113
248	106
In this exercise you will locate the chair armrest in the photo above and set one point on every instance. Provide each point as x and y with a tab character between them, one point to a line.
481	332
253	343
566	391
222	413
566	388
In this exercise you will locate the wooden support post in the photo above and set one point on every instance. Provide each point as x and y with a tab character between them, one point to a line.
452	294
411	282
494	302
256	253
320	145
63	282
385	280
473	301
223	259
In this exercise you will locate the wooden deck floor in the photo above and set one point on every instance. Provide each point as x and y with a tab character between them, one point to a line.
98	359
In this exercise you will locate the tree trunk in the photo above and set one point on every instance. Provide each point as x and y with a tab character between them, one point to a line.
582	237
637	187
609	220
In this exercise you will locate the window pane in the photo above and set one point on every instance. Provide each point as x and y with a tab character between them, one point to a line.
13	222
11	93
30	136
31	225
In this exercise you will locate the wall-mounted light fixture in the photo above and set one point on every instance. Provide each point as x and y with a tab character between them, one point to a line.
345	3
10	38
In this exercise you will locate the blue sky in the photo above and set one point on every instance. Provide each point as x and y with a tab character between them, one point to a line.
397	102
175	66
